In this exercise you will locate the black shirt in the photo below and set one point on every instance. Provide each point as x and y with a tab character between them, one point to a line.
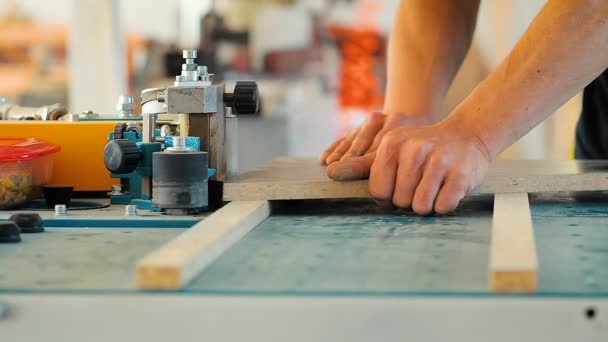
592	127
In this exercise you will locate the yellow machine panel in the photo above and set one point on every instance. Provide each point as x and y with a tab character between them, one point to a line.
80	162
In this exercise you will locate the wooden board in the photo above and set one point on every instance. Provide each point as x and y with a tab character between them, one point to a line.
513	260
175	264
288	178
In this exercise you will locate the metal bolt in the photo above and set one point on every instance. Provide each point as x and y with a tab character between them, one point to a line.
189	53
160	96
179	142
116	190
125	106
70	118
165	130
179	145
89	114
125	99
203	71
189	66
130	210
190	70
61	210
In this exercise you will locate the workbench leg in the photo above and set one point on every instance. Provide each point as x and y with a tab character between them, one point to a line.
176	263
513	260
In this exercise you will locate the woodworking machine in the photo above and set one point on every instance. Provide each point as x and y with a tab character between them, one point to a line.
172	166
293	256
185	136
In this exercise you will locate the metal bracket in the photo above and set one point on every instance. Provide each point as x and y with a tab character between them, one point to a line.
192	100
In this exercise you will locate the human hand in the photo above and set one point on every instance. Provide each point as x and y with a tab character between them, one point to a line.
366	139
427	169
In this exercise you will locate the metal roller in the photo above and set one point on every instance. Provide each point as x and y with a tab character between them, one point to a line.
179	184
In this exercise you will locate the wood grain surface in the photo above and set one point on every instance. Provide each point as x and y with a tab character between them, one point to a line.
513	258
176	263
293	178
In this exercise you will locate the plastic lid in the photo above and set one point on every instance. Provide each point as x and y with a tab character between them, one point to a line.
18	149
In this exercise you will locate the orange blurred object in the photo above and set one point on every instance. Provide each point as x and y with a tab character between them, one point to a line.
362	62
80	162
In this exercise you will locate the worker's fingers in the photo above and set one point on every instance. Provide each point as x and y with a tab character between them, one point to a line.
330	150
432	178
351	169
384	169
377	140
365	138
454	189
391	122
342	147
409	172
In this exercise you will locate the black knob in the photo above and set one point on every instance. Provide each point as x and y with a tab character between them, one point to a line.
9	232
121	156
119	130
28	222
245	99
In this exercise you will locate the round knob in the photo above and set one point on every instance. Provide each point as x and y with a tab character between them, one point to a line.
28	222
9	232
245	99
121	156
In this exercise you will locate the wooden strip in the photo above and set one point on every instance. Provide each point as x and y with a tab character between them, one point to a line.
513	261
287	178
176	263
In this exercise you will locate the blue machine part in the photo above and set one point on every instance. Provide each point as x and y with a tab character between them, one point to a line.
145	204
135	179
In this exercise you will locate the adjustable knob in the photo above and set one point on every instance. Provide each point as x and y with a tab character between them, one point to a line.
245	99
121	156
28	222
119	130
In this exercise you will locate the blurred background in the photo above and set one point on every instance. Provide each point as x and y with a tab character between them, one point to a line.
320	64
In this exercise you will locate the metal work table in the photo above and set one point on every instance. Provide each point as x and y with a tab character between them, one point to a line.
330	270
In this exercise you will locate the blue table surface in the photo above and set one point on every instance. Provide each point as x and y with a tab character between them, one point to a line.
331	248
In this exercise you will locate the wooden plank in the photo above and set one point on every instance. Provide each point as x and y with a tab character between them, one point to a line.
288	178
513	260
175	264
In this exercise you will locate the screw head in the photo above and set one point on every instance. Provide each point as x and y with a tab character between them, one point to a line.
189	53
116	190
61	210
131	210
126	103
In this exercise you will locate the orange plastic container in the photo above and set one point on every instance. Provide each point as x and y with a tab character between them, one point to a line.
26	164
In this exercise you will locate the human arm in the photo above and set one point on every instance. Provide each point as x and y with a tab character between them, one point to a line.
433	168
426	48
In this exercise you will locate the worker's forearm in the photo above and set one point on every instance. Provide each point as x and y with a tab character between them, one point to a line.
564	49
428	43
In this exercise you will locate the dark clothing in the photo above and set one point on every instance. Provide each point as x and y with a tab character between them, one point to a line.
592	127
